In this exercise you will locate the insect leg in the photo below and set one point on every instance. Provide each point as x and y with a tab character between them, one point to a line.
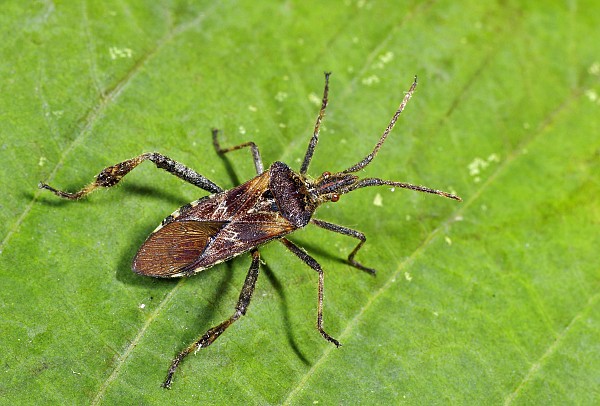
310	261
253	148
351	233
113	174
315	137
211	335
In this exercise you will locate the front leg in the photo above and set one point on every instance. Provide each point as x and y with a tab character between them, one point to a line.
113	174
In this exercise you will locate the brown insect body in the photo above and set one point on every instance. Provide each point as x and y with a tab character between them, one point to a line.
219	227
231	222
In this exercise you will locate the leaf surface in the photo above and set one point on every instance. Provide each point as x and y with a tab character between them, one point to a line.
493	300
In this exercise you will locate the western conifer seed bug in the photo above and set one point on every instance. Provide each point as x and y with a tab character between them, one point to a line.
228	223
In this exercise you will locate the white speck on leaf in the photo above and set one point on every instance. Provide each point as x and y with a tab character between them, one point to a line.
384	59
591	95
118	53
370	80
281	96
378	200
478	165
314	99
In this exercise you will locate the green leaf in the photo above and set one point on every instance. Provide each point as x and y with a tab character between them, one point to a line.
493	300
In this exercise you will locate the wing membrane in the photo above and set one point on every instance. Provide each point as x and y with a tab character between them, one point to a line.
175	246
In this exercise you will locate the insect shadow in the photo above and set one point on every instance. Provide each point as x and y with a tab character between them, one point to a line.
288	326
272	278
228	223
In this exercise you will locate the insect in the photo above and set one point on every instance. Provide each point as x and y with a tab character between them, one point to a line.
228	223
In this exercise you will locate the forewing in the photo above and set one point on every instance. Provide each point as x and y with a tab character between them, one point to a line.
227	205
212	230
243	234
174	247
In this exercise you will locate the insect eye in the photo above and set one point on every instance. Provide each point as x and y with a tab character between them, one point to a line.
335	197
326	174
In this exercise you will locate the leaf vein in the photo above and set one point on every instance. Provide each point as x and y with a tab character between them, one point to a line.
120	362
536	366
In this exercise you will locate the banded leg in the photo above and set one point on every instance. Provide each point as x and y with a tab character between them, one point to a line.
211	335
253	148
351	233
310	261
113	174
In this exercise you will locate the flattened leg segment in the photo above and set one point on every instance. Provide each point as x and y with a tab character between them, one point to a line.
113	174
